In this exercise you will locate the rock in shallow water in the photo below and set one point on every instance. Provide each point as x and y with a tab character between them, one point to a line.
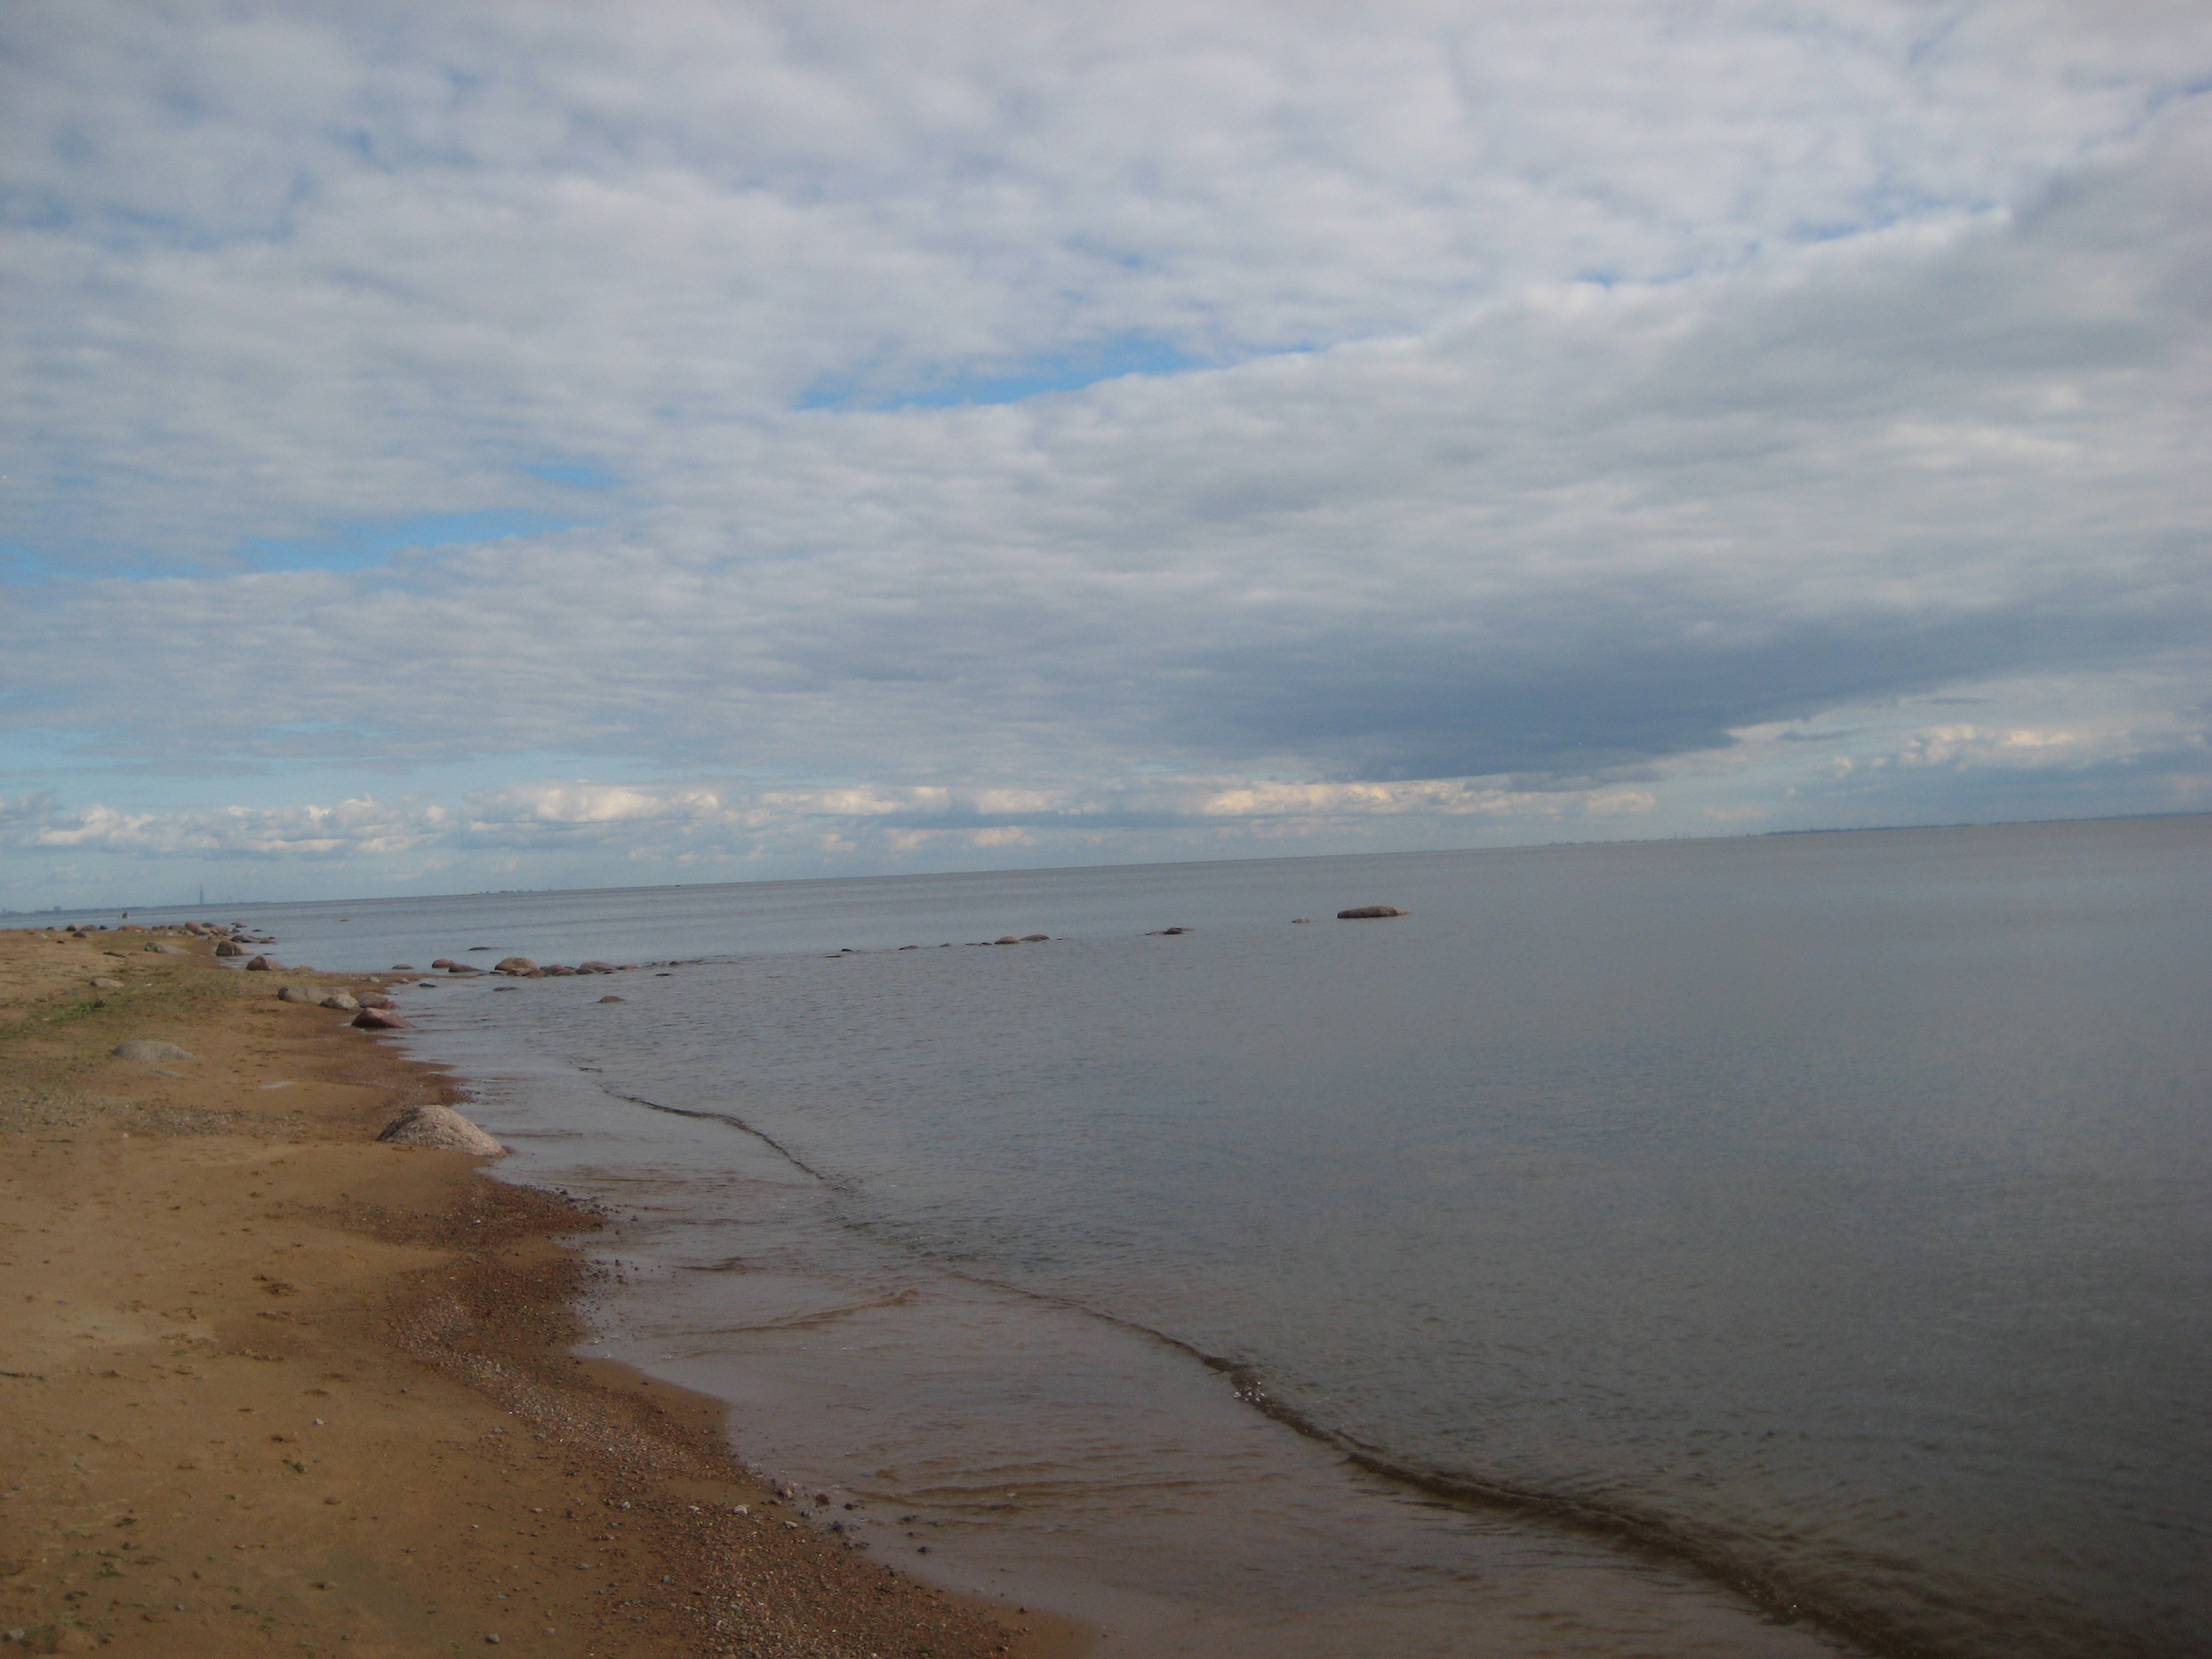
1368	913
441	1130
382	1019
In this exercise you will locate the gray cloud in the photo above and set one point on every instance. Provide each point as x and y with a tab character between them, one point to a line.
1570	394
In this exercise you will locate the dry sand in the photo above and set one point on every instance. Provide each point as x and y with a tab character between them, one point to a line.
268	1386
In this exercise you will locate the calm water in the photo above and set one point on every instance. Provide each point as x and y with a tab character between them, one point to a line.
1674	1235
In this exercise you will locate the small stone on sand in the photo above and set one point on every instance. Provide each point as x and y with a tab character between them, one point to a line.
440	1128
148	1048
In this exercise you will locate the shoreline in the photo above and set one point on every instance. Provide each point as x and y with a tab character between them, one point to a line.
273	1386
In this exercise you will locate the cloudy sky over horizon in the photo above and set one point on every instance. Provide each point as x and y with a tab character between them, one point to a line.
497	445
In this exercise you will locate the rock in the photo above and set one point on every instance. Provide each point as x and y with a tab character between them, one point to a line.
382	1019
1296	921
1368	913
166	949
1169	933
342	1000
444	961
264	965
107	985
596	966
480	947
295	994
1011	939
230	947
462	969
614	998
403	967
376	999
1036	939
148	1048
513	964
440	1128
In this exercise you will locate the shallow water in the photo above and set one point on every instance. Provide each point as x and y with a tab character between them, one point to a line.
1812	1223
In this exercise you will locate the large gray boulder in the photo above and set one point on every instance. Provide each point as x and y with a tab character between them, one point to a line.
440	1128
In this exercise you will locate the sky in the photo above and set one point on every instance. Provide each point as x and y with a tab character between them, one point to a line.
485	445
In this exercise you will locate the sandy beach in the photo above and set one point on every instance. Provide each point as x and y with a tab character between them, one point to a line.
273	1386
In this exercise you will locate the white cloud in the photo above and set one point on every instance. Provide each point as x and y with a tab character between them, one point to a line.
1567	397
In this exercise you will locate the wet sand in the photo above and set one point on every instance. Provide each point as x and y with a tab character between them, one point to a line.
267	1386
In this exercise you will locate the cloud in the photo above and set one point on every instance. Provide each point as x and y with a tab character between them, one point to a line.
1460	412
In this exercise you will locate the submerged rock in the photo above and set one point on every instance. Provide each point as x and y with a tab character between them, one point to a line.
440	1128
1368	913
150	1048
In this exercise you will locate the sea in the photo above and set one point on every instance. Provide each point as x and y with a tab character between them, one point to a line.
1786	1245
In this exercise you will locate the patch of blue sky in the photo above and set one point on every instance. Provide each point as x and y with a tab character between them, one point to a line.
576	475
369	542
1060	372
22	567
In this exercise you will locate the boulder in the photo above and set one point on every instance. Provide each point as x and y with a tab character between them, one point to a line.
440	1128
614	998
444	961
264	965
596	966
342	1000
295	994
1368	913
1036	939
403	967
513	965
382	1019
148	1048
1011	939
230	947
376	999
166	949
